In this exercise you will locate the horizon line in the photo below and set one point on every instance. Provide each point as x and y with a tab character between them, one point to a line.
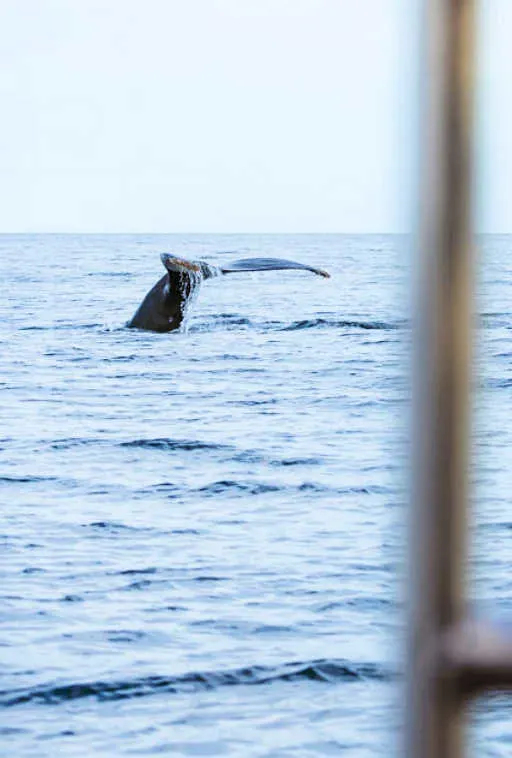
226	233
20	233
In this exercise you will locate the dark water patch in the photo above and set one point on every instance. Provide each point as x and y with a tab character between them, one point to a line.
232	318
496	526
362	603
62	733
58	325
296	462
111	274
348	324
220	320
248	456
141	584
502	317
164	608
80	359
274	629
36	328
498	383
230	485
164	443
312	487
384	567
234	357
328	671
27	479
252	403
244	487
122	358
374	489
125	635
113	526
133	572
241	370
369	489
168	488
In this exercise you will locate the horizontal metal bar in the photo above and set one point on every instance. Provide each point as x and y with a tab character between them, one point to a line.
477	655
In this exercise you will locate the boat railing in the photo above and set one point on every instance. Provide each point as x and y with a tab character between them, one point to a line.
452	656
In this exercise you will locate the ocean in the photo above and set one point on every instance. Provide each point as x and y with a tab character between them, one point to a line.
203	532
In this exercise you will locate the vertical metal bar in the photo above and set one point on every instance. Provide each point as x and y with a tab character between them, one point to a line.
441	378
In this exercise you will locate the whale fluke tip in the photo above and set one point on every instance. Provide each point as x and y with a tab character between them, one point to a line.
173	263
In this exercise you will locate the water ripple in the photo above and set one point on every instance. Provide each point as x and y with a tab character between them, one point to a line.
343	323
328	671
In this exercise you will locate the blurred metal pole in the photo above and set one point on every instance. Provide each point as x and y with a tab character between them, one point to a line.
441	379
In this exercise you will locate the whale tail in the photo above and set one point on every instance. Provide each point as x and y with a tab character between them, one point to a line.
174	265
268	264
165	305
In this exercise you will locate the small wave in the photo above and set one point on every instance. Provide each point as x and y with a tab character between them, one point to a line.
248	456
252	403
223	320
115	527
164	443
158	443
112	274
500	317
233	486
67	443
369	489
296	462
122	358
135	571
66	325
26	479
229	485
313	487
325	670
497	384
171	489
232	318
336	323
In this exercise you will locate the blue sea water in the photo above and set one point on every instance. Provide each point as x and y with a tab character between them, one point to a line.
203	532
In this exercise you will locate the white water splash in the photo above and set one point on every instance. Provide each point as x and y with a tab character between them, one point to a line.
195	285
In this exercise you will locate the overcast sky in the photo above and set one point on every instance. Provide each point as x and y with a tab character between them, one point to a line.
226	115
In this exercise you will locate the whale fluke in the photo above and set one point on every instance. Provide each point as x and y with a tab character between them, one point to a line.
163	308
269	264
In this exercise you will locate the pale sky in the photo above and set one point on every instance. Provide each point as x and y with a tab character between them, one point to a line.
227	115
